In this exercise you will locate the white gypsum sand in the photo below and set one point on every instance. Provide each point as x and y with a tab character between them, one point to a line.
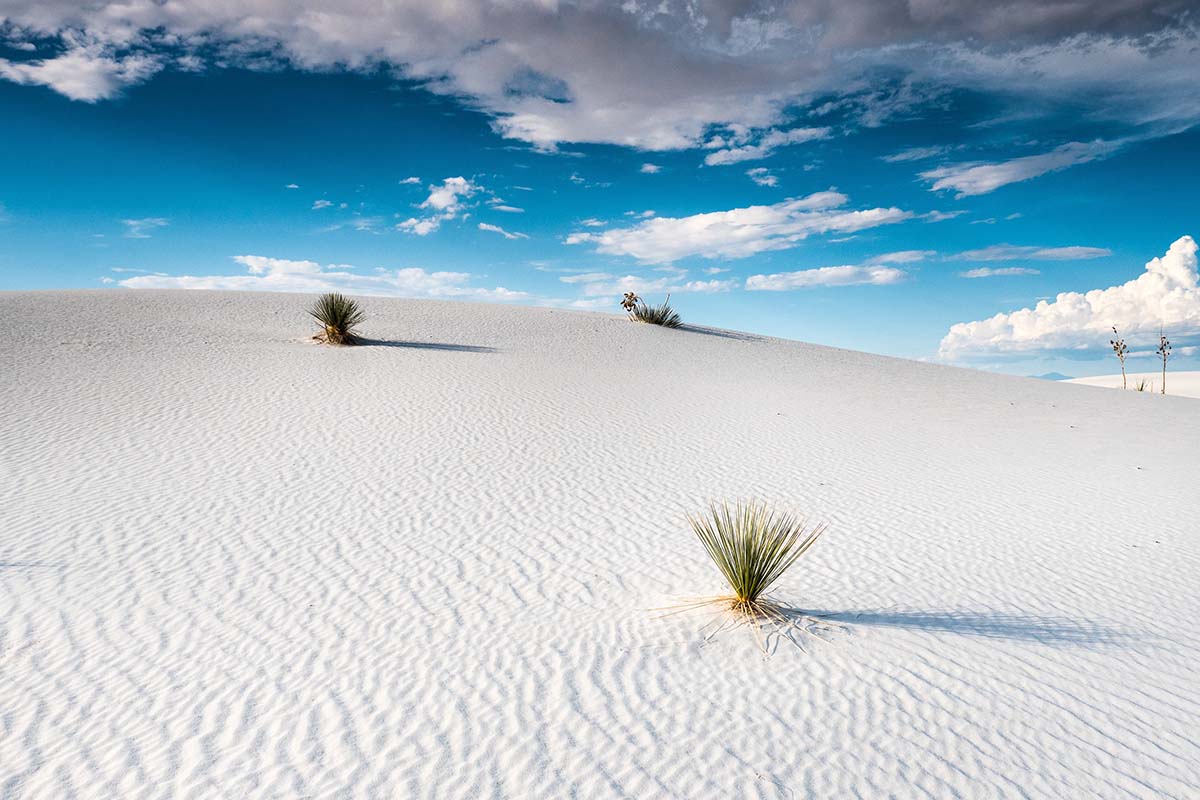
1180	384
236	563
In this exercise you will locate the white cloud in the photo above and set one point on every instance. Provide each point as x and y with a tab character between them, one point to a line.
1009	252
650	169
762	176
766	145
657	75
285	275
592	222
446	201
141	228
292	186
413	179
975	178
739	232
483	226
900	257
598	284
941	216
824	276
988	272
319	204
1166	293
135	271
82	72
507	209
916	154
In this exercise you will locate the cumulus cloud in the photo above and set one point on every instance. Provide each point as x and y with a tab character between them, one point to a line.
411	180
483	226
141	228
989	272
1166	294
762	176
656	76
975	178
739	232
650	169
268	274
292	186
765	146
1009	252
824	276
319	204
446	201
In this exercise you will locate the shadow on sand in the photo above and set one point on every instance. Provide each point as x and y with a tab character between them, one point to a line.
741	337
1052	630
458	348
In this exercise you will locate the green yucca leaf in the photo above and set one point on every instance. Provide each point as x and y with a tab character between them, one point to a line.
752	546
338	315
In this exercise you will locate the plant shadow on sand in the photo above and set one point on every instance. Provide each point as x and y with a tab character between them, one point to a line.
741	337
458	348
1045	629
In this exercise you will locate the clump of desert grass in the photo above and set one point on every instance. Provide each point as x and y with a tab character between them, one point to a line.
753	546
338	315
641	311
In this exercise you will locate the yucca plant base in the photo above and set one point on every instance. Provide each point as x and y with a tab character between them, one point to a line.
753	546
337	315
331	336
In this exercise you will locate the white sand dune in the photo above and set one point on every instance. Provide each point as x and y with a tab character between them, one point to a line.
1179	384
234	563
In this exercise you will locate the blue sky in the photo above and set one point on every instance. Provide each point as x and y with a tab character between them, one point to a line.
564	156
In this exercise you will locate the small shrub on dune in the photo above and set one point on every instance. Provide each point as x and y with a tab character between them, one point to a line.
640	311
752	546
338	315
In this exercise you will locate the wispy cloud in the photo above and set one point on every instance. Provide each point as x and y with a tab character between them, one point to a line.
483	226
988	272
411	180
595	284
824	276
1010	252
287	275
738	232
764	147
917	154
319	204
980	178
142	228
650	169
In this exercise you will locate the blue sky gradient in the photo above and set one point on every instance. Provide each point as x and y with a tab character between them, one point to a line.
180	172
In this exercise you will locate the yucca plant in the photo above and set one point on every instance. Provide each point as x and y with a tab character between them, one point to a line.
752	546
640	311
338	315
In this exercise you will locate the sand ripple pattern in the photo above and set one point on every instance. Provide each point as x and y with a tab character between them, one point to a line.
237	564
